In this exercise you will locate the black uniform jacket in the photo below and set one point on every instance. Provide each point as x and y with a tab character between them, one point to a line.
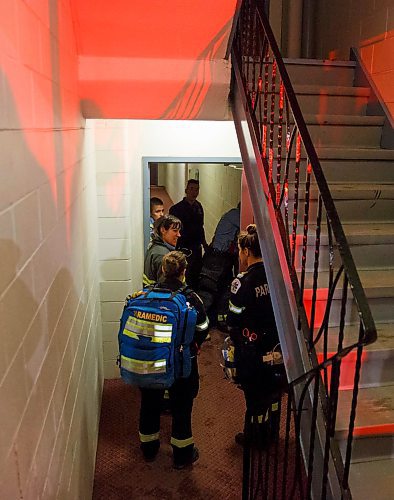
250	309
202	324
192	218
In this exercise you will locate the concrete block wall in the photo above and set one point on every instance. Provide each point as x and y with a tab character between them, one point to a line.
366	24
50	325
114	211
120	148
174	179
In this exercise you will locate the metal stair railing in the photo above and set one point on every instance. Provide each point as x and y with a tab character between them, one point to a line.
316	294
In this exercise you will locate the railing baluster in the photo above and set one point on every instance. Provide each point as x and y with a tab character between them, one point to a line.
296	194
357	371
279	152
312	436
306	227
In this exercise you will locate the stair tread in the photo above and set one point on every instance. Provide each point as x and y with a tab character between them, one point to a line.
364	154
376	283
364	232
358	233
372	479
355	120
375	408
338	90
319	62
384	342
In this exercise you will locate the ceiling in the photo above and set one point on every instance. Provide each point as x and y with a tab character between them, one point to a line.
153	59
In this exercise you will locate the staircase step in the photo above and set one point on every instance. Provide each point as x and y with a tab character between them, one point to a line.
345	130
330	100
376	283
372	480
378	287
368	154
353	164
355	203
320	72
377	359
374	426
334	90
371	245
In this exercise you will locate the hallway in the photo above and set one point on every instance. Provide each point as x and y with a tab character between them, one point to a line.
218	415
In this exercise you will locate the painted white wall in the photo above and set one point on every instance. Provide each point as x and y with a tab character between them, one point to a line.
220	190
50	356
175	180
120	147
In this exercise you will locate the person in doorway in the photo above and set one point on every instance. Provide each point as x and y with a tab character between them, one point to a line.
167	231
156	211
190	212
184	390
252	329
218	266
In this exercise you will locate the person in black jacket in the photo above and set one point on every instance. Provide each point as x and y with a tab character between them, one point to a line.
184	390
190	212
252	328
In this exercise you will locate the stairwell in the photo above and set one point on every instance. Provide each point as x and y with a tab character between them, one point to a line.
361	180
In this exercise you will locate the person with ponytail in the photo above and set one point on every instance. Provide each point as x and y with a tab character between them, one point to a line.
252	328
184	390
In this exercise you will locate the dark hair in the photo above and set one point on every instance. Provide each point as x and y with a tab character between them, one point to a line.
174	263
166	222
192	181
154	202
250	240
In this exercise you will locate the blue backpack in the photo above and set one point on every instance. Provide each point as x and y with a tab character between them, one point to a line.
156	330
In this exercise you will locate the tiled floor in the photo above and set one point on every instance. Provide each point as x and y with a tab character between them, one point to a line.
217	417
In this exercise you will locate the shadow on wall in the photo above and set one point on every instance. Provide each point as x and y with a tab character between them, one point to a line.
198	96
45	389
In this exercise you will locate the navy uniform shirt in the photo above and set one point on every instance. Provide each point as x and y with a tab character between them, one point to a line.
192	218
250	307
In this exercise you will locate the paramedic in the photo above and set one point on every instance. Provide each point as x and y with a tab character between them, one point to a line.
184	390
253	331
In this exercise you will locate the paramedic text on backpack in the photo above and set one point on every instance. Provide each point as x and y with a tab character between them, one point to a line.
184	390
253	330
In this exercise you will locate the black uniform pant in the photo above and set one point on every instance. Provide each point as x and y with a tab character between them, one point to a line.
182	394
214	282
194	264
262	390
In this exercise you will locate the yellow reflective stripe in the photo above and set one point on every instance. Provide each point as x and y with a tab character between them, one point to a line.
147	438
147	281
142	323
154	338
259	418
143	367
156	332
235	309
130	334
203	326
275	406
182	443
